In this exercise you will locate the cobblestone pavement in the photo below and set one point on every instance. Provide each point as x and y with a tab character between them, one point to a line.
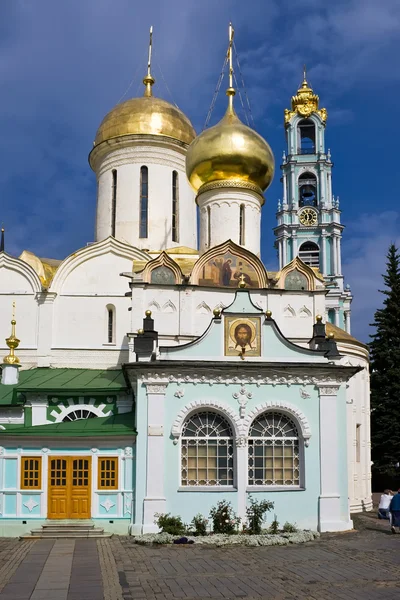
362	565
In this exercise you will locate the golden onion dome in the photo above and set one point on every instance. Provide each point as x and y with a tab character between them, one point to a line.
146	116
230	152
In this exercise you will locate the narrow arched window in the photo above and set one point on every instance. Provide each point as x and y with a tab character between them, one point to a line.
241	225
110	324
206	450
144	202
306	131
309	254
274	451
113	201
175	211
208	227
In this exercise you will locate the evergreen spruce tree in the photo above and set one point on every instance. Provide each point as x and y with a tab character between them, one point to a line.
385	373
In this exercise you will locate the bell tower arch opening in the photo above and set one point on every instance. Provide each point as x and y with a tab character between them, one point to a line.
306	137
308	190
309	254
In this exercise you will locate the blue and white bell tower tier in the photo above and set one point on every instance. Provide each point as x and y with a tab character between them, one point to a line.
308	217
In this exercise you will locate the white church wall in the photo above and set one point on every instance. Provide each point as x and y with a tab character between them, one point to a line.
161	158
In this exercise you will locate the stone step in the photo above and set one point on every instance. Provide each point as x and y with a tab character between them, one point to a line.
72	526
59	531
64	536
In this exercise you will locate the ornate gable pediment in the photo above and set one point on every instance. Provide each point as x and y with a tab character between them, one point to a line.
226	265
162	270
297	276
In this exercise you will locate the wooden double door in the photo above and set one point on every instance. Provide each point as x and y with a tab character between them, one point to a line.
69	487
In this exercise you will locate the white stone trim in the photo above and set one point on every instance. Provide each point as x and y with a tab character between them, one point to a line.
234	418
292	410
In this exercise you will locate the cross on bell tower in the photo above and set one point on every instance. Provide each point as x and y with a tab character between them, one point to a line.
308	217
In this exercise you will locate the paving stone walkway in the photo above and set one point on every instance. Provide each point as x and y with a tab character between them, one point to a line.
363	565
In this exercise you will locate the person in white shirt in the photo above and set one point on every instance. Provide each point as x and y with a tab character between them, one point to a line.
384	502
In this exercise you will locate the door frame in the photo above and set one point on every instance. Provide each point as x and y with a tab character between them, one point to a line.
69	458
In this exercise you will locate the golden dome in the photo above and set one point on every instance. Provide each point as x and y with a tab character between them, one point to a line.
146	116
231	152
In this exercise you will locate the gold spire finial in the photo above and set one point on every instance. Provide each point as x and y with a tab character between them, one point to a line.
242	282
230	92
149	79
12	342
304	74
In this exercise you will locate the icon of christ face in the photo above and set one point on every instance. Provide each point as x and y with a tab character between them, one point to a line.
242	335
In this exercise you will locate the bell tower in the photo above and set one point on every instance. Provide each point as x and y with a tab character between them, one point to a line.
308	217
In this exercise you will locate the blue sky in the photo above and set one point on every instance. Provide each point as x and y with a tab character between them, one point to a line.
64	65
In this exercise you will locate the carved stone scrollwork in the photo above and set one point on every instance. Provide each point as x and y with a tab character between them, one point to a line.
241	441
328	390
242	396
156	389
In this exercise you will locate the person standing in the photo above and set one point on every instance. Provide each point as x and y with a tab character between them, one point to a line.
384	502
394	509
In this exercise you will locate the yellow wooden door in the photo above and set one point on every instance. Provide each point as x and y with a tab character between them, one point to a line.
69	488
58	488
80	488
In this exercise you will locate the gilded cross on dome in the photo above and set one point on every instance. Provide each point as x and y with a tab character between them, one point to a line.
305	102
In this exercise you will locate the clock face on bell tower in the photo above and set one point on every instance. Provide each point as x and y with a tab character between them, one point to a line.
308	217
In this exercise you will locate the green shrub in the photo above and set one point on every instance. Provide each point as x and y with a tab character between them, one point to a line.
170	524
289	528
255	514
224	518
199	524
274	527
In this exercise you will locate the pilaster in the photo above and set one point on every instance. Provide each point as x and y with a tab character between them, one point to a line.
330	513
45	302
155	500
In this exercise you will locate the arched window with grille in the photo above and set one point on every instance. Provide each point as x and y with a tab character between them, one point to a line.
144	202
309	254
274	451
78	414
207	450
175	207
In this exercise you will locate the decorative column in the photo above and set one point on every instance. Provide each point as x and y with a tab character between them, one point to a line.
284	251
284	180
294	244
334	256
339	255
347	314
154	501
330	514
280	253
337	316
242	475
293	186
324	264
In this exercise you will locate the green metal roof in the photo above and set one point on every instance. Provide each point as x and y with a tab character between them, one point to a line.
63	381
121	424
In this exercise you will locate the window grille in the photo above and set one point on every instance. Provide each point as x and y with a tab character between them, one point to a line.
274	458
207	451
175	200
31	473
309	254
144	201
108	473
113	202
79	413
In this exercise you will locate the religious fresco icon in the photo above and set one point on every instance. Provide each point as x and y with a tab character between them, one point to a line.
242	336
226	270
